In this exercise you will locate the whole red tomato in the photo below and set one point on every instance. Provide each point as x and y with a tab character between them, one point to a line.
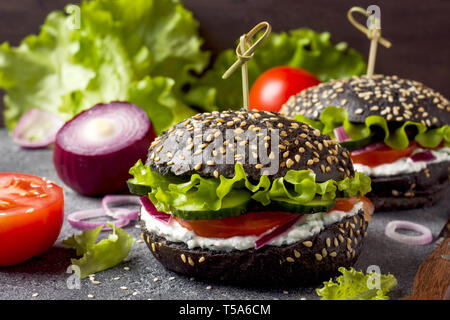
274	87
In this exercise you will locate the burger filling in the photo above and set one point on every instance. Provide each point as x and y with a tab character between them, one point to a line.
418	160
237	213
378	147
304	228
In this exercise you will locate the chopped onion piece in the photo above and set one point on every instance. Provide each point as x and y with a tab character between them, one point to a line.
76	219
370	147
426	155
340	134
150	208
271	234
120	199
425	237
37	129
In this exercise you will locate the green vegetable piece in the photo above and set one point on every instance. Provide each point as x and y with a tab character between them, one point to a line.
353	285
333	117
139	51
100	256
207	194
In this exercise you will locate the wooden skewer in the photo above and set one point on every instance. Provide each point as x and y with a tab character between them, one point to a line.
374	34
245	55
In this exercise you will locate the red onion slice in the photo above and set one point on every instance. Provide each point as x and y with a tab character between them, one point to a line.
37	129
76	219
120	199
370	147
426	155
271	234
150	208
340	134
95	150
425	237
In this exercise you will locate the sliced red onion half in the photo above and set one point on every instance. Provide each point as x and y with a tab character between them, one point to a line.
120	199
426	155
94	151
370	147
425	236
273	233
37	129
150	208
340	134
77	219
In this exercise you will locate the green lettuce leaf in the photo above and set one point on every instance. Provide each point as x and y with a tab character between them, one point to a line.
130	51
333	117
302	48
353	285
100	256
208	193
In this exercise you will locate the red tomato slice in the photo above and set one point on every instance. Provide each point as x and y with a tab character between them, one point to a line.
384	155
31	216
368	207
274	87
344	204
249	224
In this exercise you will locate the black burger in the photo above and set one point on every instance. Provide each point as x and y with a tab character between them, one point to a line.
253	198
397	132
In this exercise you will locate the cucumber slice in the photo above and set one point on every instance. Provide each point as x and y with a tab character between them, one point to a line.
138	189
234	204
352	145
316	205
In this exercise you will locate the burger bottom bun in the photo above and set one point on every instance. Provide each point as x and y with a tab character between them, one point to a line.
302	263
413	190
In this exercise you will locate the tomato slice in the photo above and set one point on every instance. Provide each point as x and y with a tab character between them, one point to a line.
274	87
344	204
249	224
383	155
368	207
31	216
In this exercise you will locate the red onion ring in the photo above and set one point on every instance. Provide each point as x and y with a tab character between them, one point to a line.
120	199
37	120
150	208
370	147
340	134
76	219
271	234
426	155
425	237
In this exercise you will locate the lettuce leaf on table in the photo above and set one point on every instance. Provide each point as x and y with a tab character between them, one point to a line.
100	256
353	285
139	51
302	48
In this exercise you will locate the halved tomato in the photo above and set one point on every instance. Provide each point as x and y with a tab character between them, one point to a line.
249	224
31	216
382	155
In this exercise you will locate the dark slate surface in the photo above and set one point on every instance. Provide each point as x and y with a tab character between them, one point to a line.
46	275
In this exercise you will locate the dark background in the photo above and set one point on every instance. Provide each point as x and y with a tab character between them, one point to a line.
419	30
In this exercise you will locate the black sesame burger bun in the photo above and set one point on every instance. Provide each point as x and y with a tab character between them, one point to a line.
391	97
201	144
